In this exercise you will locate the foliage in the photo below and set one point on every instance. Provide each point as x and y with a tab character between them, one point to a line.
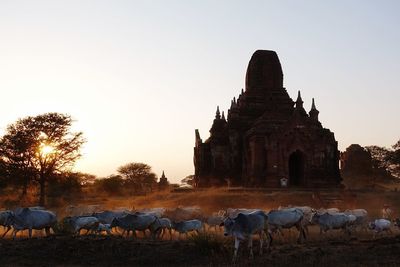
34	149
386	158
138	177
112	185
207	244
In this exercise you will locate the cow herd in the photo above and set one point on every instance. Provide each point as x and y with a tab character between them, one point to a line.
161	223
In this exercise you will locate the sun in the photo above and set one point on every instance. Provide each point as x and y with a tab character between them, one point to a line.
46	149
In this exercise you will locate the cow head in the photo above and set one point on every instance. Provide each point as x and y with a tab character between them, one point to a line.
372	225
114	223
228	226
314	217
397	222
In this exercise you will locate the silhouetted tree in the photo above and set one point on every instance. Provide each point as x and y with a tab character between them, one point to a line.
112	185
386	158
86	178
37	148
138	176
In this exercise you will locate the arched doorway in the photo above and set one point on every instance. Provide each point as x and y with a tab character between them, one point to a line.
296	168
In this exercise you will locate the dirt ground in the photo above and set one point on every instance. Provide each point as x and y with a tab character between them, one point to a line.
331	250
117	251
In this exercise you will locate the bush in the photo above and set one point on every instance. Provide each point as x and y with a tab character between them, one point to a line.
112	185
208	244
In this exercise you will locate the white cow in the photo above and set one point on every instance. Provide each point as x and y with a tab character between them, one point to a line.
159	212
361	218
233	212
5	220
106	217
215	219
379	226
165	224
330	211
88	223
243	227
138	222
286	219
328	221
28	219
185	227
104	228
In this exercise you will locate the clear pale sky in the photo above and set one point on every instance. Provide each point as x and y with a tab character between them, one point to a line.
140	76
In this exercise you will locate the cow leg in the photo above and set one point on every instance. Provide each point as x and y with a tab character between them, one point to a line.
8	229
237	243
15	233
251	247
30	232
261	234
47	230
170	234
162	233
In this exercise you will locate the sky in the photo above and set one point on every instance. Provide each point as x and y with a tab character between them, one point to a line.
139	77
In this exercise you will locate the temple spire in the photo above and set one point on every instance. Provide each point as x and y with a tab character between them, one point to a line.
313	104
217	114
163	174
313	112
299	101
223	116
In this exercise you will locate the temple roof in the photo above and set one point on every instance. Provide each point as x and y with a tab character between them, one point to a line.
264	71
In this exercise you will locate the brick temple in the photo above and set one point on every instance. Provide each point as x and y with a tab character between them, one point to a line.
266	137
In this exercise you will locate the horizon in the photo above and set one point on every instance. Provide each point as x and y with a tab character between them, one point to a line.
139	78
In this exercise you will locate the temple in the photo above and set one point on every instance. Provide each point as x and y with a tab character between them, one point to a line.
266	137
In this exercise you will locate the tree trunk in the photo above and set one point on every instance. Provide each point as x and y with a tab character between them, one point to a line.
42	184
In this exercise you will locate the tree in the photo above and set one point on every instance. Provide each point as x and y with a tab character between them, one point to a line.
112	185
37	148
138	176
388	159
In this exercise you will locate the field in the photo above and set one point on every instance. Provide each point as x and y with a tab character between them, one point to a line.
116	251
212	249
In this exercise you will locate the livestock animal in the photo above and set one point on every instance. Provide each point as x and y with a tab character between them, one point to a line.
106	217
5	217
78	223
104	228
140	222
328	221
215	220
158	212
379	226
184	214
233	212
28	219
361	218
243	227
185	227
165	224
307	215
330	211
286	219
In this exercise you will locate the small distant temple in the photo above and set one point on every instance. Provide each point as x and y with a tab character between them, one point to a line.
266	137
163	183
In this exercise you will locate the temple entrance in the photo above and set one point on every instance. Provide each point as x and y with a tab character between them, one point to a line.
296	168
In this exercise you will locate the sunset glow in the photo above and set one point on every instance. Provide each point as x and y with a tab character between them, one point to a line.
46	150
138	77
